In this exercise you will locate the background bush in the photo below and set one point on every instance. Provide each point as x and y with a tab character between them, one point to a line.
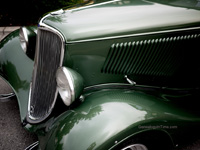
27	12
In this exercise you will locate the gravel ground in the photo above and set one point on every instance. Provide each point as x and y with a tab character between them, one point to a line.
12	135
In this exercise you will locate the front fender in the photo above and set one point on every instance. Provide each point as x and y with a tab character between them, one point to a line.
16	68
107	117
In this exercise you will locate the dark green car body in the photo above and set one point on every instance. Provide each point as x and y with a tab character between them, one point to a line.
140	64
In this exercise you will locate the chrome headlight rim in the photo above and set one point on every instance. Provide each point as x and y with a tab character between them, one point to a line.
23	37
68	85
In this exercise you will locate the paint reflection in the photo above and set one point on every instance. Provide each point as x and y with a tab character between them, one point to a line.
99	124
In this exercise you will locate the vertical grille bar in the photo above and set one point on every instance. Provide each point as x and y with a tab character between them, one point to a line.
44	89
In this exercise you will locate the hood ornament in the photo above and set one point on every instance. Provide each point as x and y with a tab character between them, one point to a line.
58	12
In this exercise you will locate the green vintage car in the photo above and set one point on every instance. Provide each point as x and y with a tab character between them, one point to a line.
117	75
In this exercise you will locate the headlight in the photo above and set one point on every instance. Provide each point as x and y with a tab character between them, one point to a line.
27	37
69	83
23	37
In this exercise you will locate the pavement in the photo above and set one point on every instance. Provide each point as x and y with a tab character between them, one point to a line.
12	135
6	30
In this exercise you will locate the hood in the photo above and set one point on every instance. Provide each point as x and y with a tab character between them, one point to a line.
121	17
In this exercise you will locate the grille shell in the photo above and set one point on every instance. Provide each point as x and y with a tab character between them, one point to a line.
43	92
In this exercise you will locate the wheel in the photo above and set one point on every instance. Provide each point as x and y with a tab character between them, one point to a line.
146	141
135	147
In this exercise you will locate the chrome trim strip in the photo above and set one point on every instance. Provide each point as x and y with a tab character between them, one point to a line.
29	103
132	87
43	18
29	118
32	146
6	96
41	24
95	5
117	86
133	35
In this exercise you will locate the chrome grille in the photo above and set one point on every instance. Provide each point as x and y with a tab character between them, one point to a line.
48	59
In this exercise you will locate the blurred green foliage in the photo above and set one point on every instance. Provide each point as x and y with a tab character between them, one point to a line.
28	12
